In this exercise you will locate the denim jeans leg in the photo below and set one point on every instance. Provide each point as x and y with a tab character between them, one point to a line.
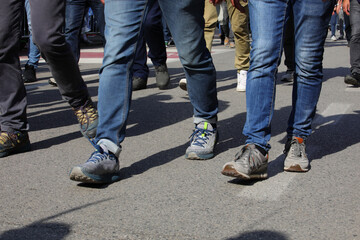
74	12
123	23
187	29
309	50
34	53
267	19
98	10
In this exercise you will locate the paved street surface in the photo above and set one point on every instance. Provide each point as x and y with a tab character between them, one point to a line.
163	196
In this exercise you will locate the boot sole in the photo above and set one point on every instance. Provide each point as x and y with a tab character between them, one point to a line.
230	171
22	149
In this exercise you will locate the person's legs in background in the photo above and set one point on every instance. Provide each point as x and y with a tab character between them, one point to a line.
354	77
29	73
289	46
240	27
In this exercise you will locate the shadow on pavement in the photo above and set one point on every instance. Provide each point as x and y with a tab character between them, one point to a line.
260	234
46	230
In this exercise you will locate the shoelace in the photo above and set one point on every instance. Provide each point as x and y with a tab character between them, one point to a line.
86	114
5	137
98	155
246	157
296	148
200	136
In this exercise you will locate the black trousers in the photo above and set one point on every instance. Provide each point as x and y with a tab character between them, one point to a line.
47	18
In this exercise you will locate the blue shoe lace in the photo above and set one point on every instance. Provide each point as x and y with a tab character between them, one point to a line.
99	153
200	136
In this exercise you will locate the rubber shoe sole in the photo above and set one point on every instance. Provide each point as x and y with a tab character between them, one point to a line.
25	148
195	156
295	168
230	170
76	174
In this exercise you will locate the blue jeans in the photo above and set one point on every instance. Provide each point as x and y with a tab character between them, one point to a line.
267	19
74	16
333	21
34	52
123	25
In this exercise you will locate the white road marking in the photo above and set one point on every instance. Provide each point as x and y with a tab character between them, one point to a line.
272	188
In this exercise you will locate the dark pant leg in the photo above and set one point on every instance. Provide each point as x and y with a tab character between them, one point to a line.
347	27
140	68
154	36
355	36
12	91
47	19
289	42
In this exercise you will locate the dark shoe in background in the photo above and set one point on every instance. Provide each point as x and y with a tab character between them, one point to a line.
138	83
29	74
353	79
162	76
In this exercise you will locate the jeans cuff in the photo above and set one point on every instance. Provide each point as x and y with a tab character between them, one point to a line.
198	120
112	147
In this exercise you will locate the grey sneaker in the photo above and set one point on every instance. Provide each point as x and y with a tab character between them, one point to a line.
102	167
296	159
162	76
249	163
202	142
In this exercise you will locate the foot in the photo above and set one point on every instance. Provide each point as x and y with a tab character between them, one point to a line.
162	76
11	143
52	82
333	38
249	163
202	142
29	74
138	83
353	79
101	167
87	116
296	159
183	84
288	76
241	81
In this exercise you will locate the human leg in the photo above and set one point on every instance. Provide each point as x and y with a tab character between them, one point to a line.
354	77
154	38
196	60
31	65
210	16
13	120
48	18
74	17
309	50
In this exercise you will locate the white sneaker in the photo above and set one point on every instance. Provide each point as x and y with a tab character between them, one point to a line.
241	81
182	84
333	38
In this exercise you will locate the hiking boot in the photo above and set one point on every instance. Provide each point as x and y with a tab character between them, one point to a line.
288	76
249	163
353	79
16	142
101	167
87	116
202	142
241	81
138	83
183	84
162	76
29	74
296	159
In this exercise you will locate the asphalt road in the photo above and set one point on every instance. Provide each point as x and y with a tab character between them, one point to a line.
163	196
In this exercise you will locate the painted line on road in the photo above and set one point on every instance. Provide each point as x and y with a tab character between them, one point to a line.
271	189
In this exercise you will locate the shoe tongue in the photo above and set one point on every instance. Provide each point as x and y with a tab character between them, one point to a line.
300	140
104	148
205	125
